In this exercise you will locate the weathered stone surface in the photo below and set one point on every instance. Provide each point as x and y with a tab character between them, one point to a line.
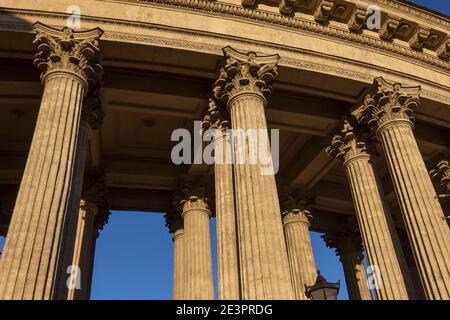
388	109
374	218
263	262
44	217
228	270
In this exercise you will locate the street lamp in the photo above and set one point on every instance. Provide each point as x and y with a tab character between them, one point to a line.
322	290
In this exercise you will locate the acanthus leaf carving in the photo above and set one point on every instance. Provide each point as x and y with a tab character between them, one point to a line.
65	50
347	145
346	240
173	219
216	117
245	72
386	103
295	205
194	192
443	51
92	113
441	175
96	192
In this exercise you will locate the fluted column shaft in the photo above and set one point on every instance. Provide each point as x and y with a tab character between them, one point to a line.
355	276
41	238
374	218
377	230
199	280
29	263
83	256
243	83
179	261
388	110
262	248
228	270
423	216
300	253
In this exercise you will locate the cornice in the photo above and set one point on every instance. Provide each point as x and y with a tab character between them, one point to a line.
337	69
295	23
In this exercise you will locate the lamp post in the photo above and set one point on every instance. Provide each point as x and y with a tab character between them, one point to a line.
322	290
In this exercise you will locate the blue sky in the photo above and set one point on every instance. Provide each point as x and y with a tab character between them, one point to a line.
134	256
437	5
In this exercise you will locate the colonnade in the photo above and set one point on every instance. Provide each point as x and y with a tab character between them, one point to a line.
263	243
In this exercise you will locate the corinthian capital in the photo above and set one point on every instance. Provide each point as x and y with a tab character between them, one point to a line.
215	118
441	175
346	146
245	72
345	239
68	51
174	220
194	193
96	192
295	205
92	113
388	102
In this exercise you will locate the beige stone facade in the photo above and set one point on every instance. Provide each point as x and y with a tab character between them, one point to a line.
362	151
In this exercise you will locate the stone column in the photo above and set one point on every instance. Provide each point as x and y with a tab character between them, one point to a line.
40	237
263	261
93	215
388	109
216	125
82	256
348	245
298	242
373	215
175	224
441	175
93	197
198	260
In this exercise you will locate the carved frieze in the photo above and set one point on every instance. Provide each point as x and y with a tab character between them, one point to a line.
419	38
358	19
